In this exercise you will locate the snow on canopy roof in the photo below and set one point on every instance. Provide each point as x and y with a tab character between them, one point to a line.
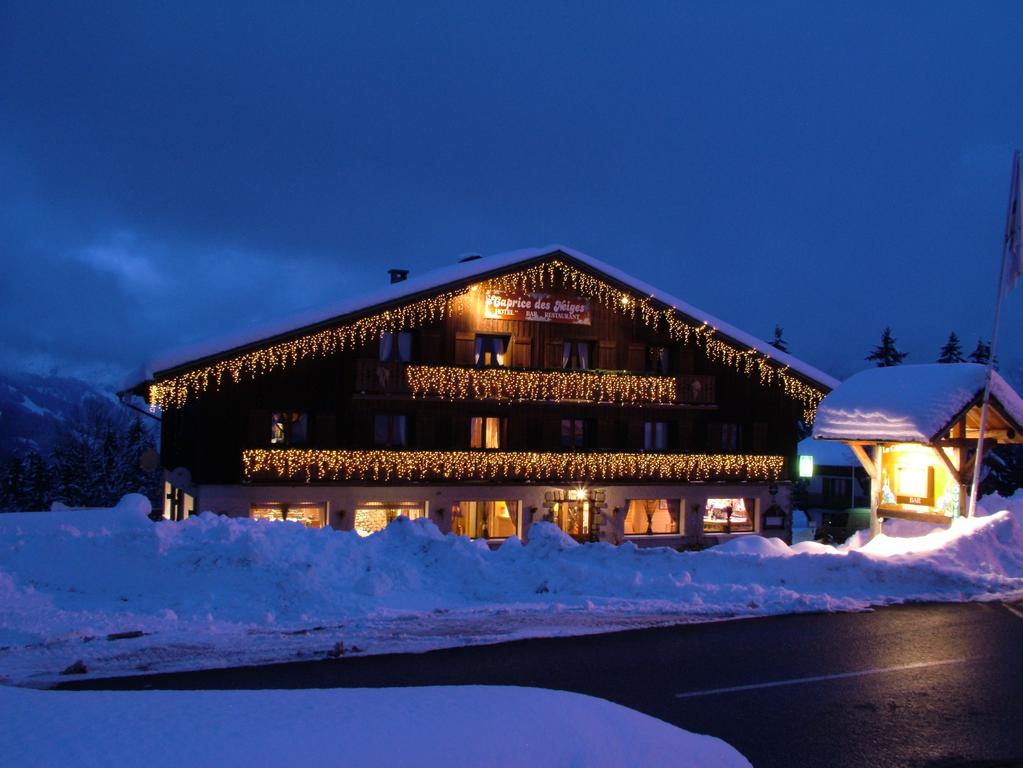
827	454
910	403
437	280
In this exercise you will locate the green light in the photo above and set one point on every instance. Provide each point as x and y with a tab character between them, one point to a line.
806	466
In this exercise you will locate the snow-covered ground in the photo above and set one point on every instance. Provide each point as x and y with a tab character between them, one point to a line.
124	595
444	726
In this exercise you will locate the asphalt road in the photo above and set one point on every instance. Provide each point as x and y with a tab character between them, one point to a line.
922	685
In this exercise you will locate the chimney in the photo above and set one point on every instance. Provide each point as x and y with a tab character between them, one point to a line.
397	275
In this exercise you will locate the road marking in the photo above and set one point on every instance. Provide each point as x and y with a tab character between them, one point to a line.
818	678
1016	611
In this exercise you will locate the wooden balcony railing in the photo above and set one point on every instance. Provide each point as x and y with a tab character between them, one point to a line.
332	466
470	383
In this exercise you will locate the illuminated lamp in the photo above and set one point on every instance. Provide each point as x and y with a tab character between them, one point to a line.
805	465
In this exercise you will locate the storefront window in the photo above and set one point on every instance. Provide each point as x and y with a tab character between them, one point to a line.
308	514
729	515
485	519
373	516
652	516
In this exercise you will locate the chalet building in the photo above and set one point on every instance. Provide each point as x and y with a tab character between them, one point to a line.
535	385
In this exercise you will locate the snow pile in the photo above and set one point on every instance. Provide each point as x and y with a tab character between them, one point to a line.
907	402
123	594
503	726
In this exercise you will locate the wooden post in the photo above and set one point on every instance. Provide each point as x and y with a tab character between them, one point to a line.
875	492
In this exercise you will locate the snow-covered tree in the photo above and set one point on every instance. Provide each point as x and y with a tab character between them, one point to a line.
886	353
778	342
952	352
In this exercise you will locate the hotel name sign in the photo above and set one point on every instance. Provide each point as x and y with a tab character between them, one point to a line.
537	307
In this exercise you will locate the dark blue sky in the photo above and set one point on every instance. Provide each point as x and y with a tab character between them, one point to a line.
171	171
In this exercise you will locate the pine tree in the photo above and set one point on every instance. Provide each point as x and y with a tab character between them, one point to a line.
1004	464
779	342
886	354
981	353
951	352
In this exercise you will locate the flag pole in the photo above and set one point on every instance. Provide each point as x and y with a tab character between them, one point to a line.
1010	234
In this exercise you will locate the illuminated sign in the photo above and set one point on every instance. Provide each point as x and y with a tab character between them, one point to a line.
806	466
537	307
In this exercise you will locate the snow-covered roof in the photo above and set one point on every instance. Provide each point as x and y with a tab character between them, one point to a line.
908	403
437	280
828	454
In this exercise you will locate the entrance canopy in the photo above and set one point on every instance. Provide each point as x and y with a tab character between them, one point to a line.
921	424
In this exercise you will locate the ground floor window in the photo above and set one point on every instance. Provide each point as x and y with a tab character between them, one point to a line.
485	519
309	514
177	505
652	516
728	515
373	516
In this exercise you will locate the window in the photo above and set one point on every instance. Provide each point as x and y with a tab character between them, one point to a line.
485	519
652	516
396	347
389	429
490	350
655	435
657	360
288	427
309	514
373	516
486	432
574	433
837	487
725	437
728	515
577	355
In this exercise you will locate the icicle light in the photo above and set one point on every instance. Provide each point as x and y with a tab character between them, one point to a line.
175	391
310	466
460	383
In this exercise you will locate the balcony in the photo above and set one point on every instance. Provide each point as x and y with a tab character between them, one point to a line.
451	382
380	466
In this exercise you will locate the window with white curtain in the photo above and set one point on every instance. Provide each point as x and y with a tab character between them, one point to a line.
289	428
658	360
389	429
655	435
577	355
574	433
486	432
490	350
396	347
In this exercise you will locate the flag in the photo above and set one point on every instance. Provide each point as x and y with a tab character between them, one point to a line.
1014	230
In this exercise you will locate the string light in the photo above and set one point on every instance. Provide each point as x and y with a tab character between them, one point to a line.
310	466
461	383
175	391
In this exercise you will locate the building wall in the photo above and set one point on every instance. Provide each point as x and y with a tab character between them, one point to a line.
340	501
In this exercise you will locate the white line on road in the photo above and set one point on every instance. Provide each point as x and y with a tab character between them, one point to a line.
818	678
1016	611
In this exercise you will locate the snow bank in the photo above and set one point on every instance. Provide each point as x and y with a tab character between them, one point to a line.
123	594
502	726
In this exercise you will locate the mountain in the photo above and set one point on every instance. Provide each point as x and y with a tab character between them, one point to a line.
33	408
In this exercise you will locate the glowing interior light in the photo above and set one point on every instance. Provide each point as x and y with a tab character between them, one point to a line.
806	466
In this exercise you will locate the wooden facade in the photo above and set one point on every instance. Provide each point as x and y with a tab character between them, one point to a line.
342	400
